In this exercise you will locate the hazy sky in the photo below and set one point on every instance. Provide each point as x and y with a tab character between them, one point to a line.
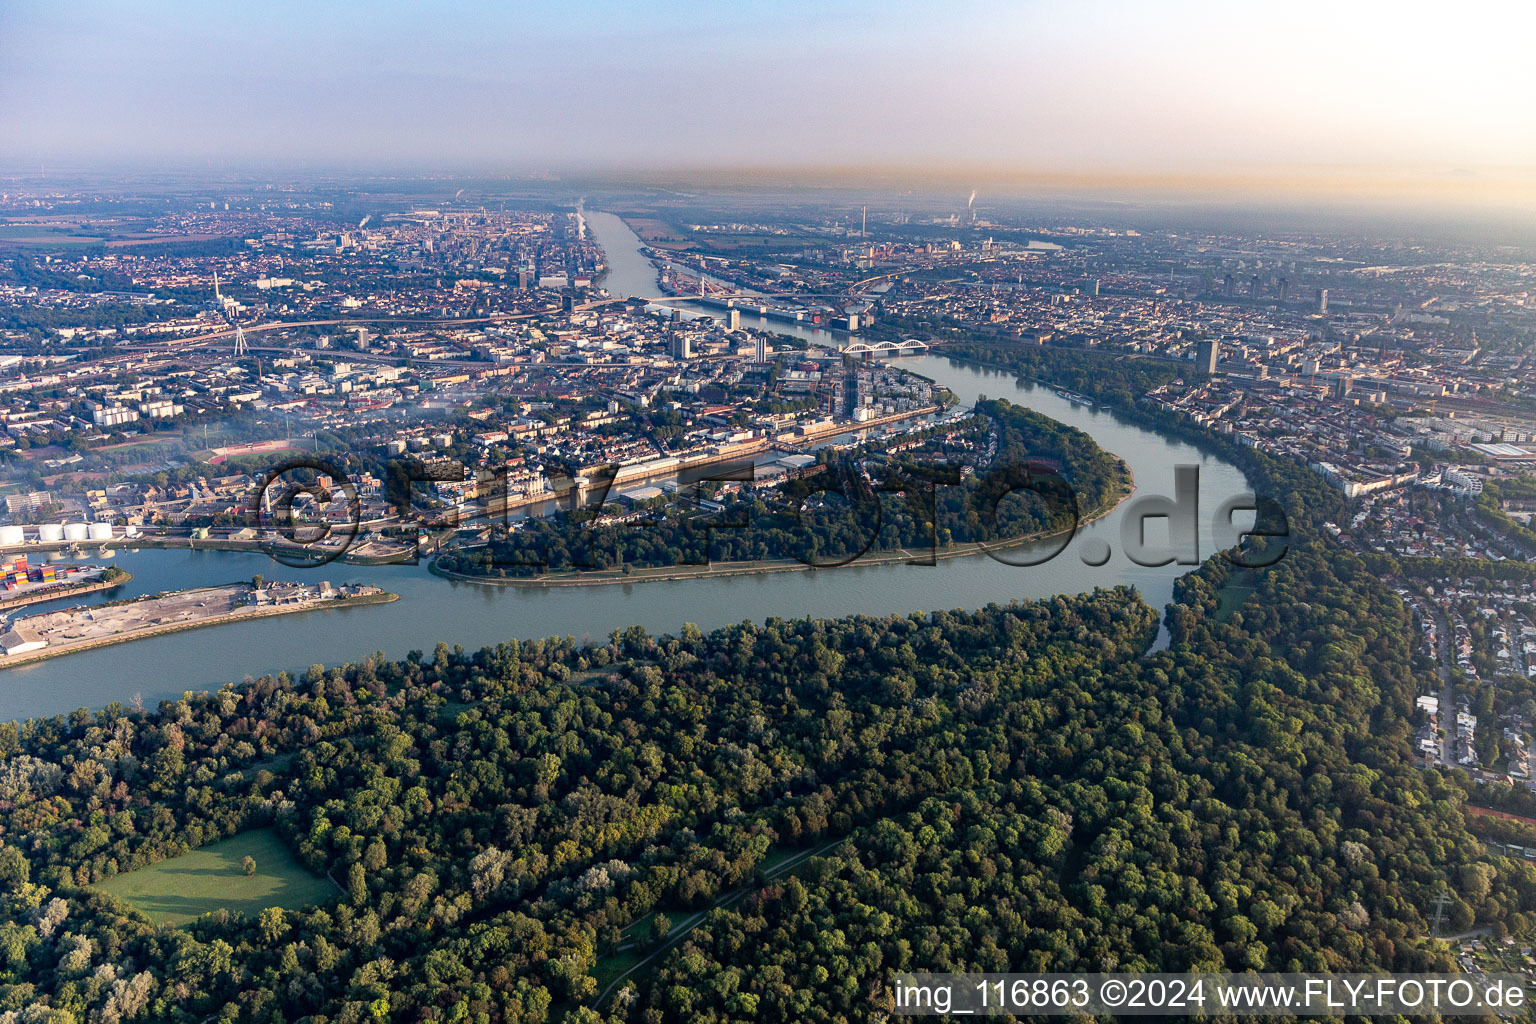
1085	85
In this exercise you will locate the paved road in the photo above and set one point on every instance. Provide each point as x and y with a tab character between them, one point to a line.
726	899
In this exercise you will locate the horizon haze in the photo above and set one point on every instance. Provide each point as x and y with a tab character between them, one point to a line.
1313	101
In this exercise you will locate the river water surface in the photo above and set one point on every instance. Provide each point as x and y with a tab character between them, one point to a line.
473	615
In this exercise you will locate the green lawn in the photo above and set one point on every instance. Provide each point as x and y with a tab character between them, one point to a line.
184	888
1235	592
277	764
610	968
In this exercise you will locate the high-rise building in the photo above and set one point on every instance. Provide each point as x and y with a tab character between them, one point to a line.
760	349
1228	287
733	320
858	387
1095	287
1322	300
1206	355
682	346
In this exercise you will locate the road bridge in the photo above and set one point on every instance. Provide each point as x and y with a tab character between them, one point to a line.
910	347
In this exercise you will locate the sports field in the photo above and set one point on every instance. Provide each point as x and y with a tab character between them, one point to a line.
184	888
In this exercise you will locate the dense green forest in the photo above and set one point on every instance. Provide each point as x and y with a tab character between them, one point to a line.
1044	477
1020	787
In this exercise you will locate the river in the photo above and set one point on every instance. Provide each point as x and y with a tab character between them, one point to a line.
472	615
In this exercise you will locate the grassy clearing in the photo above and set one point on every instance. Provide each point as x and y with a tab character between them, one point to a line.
275	765
453	709
1235	592
184	888
611	968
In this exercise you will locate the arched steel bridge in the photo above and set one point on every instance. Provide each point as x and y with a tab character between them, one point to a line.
898	348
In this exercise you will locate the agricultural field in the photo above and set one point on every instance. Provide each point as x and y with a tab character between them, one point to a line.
656	231
211	877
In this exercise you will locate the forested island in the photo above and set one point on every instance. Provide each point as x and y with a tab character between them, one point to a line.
767	822
1032	477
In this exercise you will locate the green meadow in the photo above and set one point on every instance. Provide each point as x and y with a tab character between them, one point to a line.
184	888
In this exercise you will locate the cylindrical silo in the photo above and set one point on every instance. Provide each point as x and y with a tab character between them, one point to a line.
50	532
76	531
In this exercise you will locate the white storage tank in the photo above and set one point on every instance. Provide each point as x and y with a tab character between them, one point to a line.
76	531
50	532
10	535
101	531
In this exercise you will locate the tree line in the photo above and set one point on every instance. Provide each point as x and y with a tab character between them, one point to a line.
1022	787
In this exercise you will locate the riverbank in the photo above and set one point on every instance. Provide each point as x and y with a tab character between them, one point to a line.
903	556
68	590
240	614
261	547
433	609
